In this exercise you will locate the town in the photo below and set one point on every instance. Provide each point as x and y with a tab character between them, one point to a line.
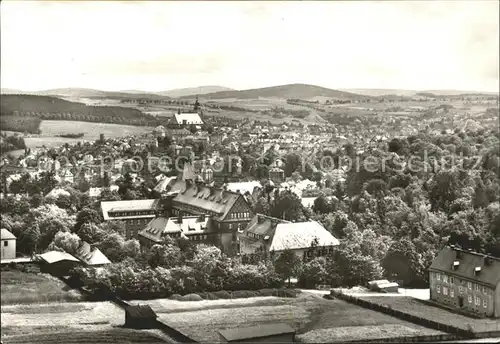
210	214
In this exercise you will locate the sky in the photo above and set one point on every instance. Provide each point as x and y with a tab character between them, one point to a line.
157	46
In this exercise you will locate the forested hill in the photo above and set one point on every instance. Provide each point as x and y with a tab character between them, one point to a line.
46	107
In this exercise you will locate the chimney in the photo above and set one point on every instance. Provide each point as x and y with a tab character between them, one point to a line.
179	217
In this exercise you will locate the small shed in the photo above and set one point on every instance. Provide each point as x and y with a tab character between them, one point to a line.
268	333
140	317
383	286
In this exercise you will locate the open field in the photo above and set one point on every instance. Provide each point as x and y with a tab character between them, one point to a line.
309	314
415	307
82	322
90	129
25	288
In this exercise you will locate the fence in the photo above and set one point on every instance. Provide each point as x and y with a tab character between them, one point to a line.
405	316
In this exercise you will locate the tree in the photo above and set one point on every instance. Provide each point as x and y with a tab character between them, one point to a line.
167	256
91	233
313	273
287	205
66	241
288	265
193	129
403	264
112	247
87	215
322	205
132	248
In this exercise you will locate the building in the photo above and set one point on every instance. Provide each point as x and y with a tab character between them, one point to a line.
267	333
183	119
229	211
277	175
306	239
257	237
91	256
135	214
140	317
244	187
8	244
194	228
466	280
57	263
179	134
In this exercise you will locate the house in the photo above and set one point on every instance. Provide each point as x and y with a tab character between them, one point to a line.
305	239
256	238
229	211
466	280
194	228
178	133
135	214
91	256
277	175
8	244
66	176
57	263
266	333
183	119
243	187
140	317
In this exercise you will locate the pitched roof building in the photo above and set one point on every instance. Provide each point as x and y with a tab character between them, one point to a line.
136	213
466	280
186	119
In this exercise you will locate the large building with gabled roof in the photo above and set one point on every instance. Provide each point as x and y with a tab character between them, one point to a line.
466	280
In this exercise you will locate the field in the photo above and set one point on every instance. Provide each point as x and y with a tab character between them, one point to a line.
90	129
83	322
316	319
25	288
418	308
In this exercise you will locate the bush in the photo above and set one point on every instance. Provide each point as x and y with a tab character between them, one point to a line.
222	294
210	296
287	292
175	297
241	294
191	297
267	292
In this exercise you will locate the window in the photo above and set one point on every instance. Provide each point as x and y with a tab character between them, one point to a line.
478	301
460	290
485	303
452	280
469	285
485	291
445	278
445	291
230	226
6	243
438	289
469	298
438	276
477	287
452	293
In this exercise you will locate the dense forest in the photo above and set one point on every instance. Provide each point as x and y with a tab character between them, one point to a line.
51	108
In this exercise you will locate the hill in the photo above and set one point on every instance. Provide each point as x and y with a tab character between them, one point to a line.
46	107
193	91
291	91
377	92
78	93
10	91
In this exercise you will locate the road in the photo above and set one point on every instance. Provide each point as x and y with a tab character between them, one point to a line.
422	294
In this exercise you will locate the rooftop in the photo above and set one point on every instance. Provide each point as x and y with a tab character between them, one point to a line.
134	205
6	235
468	261
299	235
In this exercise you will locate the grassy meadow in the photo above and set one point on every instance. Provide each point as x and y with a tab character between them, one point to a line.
27	288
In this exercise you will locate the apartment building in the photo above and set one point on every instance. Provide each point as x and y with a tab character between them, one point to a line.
466	280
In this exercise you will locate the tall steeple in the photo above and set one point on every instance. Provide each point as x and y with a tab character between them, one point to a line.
196	105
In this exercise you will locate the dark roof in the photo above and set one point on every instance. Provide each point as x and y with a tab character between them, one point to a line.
140	311
468	261
260	331
263	225
91	255
216	200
